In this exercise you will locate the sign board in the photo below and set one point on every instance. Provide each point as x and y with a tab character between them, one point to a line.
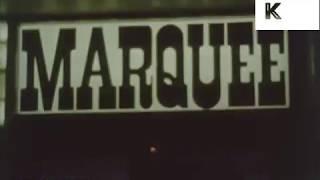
150	65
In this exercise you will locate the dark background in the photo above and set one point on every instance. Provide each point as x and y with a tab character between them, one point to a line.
235	145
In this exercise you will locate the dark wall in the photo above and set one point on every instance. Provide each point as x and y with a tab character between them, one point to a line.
258	145
107	6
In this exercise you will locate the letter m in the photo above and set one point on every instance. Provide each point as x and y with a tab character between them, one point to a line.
31	43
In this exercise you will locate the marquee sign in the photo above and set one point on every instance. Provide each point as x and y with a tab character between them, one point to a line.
152	64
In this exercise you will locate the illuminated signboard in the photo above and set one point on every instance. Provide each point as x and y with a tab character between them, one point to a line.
153	64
